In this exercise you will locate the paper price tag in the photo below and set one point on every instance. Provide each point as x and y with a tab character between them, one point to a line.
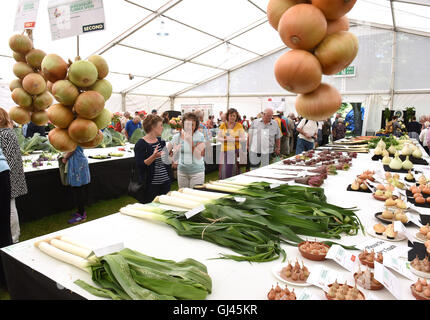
195	211
389	280
307	295
346	259
109	249
377	246
400	227
240	199
402	267
414	220
322	277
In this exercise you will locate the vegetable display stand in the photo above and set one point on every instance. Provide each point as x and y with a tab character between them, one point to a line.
414	160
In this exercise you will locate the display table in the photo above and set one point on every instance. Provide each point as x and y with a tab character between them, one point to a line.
35	275
46	195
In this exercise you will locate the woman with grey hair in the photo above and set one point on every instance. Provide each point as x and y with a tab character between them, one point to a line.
425	137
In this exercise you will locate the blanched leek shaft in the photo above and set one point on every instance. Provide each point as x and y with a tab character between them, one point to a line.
70	248
64	256
131	211
227	185
221	188
73	242
190	197
177	202
206	194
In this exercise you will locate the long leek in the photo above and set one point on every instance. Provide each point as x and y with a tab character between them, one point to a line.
64	256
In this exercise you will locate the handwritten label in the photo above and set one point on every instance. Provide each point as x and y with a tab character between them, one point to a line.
346	259
402	267
109	249
195	211
389	280
307	295
377	246
322	277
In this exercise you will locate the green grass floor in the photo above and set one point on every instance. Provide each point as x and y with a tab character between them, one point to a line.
58	221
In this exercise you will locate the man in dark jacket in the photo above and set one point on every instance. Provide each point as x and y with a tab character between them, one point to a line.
32	129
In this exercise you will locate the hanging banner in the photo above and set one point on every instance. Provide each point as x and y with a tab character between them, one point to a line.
69	18
26	15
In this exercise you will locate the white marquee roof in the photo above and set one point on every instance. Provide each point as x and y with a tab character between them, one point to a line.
206	38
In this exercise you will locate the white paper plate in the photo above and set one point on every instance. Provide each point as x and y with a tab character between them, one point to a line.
276	270
420	237
420	274
372	233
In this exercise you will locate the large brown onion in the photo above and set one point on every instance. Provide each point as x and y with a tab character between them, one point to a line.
276	8
320	104
334	9
60	115
60	140
341	24
337	51
298	71
303	26
82	130
20	115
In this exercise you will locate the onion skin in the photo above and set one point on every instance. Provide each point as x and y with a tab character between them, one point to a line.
334	9
320	104
60	140
341	24
337	51
298	71
276	8
303	26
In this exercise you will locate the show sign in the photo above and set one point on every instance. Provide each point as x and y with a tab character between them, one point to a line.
69	18
26	15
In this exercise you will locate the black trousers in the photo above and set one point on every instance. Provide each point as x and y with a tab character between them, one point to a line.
153	190
324	140
80	197
5	233
257	160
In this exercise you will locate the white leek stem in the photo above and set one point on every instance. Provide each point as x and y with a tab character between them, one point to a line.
64	256
221	188
177	202
190	197
227	185
130	211
65	246
235	183
206	194
73	242
146	208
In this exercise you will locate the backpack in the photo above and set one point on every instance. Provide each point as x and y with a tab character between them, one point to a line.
283	128
339	130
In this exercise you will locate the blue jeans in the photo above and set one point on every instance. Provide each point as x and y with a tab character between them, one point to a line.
303	145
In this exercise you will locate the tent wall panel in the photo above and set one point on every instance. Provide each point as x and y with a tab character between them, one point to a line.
412	63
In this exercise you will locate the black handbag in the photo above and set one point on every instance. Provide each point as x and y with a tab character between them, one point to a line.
136	189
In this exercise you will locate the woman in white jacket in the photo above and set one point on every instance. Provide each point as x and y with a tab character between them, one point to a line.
425	136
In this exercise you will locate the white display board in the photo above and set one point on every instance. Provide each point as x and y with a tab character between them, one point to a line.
26	15
70	18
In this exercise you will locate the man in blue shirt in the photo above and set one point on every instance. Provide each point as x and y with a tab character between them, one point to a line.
131	126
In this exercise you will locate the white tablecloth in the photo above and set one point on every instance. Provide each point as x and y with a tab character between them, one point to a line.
231	280
49	165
